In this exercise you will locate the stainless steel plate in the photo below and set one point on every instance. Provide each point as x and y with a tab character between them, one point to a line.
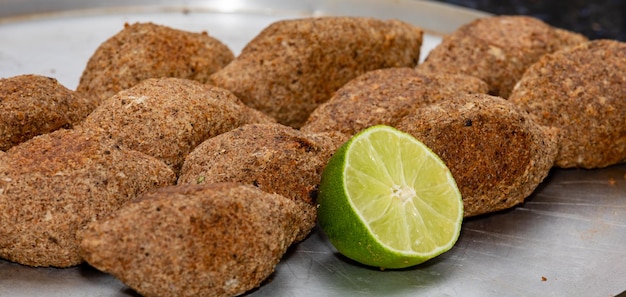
567	239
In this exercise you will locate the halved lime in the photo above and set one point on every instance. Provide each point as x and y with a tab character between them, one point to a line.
386	200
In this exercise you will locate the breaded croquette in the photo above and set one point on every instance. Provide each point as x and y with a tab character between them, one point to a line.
194	240
168	117
292	66
580	90
273	157
32	105
147	50
498	49
384	96
53	185
497	154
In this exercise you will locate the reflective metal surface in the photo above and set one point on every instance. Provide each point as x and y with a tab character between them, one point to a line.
567	239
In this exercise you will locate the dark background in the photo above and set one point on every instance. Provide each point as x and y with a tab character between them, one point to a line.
594	19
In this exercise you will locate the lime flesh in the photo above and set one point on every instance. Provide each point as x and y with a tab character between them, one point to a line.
387	200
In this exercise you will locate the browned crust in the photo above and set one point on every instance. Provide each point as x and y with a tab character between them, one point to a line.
146	50
580	91
294	65
273	157
384	96
32	105
496	153
497	49
168	117
194	240
53	185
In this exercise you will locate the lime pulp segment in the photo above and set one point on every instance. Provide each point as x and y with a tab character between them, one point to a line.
398	187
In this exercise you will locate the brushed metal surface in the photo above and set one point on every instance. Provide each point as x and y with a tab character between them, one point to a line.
567	239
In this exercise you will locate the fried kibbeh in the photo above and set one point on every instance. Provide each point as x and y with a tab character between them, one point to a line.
497	154
580	90
32	105
292	66
273	157
384	96
55	184
194	240
168	117
147	50
329	140
498	49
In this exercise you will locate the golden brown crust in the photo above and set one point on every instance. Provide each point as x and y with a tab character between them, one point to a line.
194	240
384	96
32	105
294	65
496	153
53	185
566	38
329	141
497	49
168	117
147	50
580	90
273	157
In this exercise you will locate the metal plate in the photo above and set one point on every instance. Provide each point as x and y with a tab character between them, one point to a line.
567	239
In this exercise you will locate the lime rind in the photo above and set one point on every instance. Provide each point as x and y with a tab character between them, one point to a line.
374	229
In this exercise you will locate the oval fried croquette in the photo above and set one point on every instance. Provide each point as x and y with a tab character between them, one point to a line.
497	49
53	185
168	117
580	90
147	50
32	105
384	96
273	157
194	240
497	154
294	65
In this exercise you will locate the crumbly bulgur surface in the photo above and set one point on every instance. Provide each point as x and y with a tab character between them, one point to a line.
194	240
32	105
330	141
147	50
566	38
292	66
273	157
497	49
384	96
168	117
580	90
497	154
53	185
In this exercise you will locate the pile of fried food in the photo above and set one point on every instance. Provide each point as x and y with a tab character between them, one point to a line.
184	170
